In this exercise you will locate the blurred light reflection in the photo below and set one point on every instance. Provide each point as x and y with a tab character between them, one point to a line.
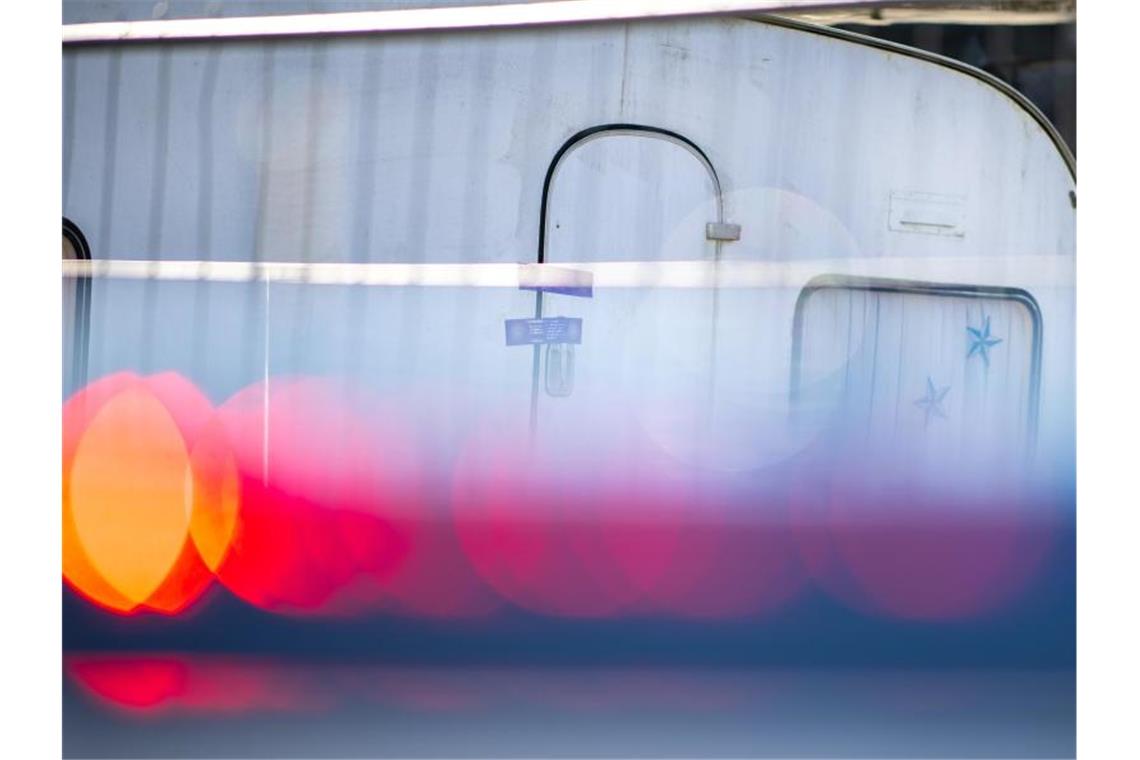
313	496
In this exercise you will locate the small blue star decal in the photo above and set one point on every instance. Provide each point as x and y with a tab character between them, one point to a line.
931	403
981	342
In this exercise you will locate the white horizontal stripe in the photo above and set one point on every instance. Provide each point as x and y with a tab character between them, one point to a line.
875	12
427	275
435	18
1013	271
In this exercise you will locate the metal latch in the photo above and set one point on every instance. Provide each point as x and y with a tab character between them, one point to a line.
722	231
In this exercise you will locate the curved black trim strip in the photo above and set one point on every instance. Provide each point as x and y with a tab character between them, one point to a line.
940	60
81	328
887	285
78	240
590	132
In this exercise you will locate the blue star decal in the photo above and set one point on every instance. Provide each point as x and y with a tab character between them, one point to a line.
981	342
931	403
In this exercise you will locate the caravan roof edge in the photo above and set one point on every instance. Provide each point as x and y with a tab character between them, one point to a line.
424	19
522	15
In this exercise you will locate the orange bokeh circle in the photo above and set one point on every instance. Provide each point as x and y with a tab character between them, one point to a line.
130	494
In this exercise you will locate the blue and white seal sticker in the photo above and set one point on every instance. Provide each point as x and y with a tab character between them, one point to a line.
549	279
530	332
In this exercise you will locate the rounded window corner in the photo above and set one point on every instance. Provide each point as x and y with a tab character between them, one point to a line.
74	242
